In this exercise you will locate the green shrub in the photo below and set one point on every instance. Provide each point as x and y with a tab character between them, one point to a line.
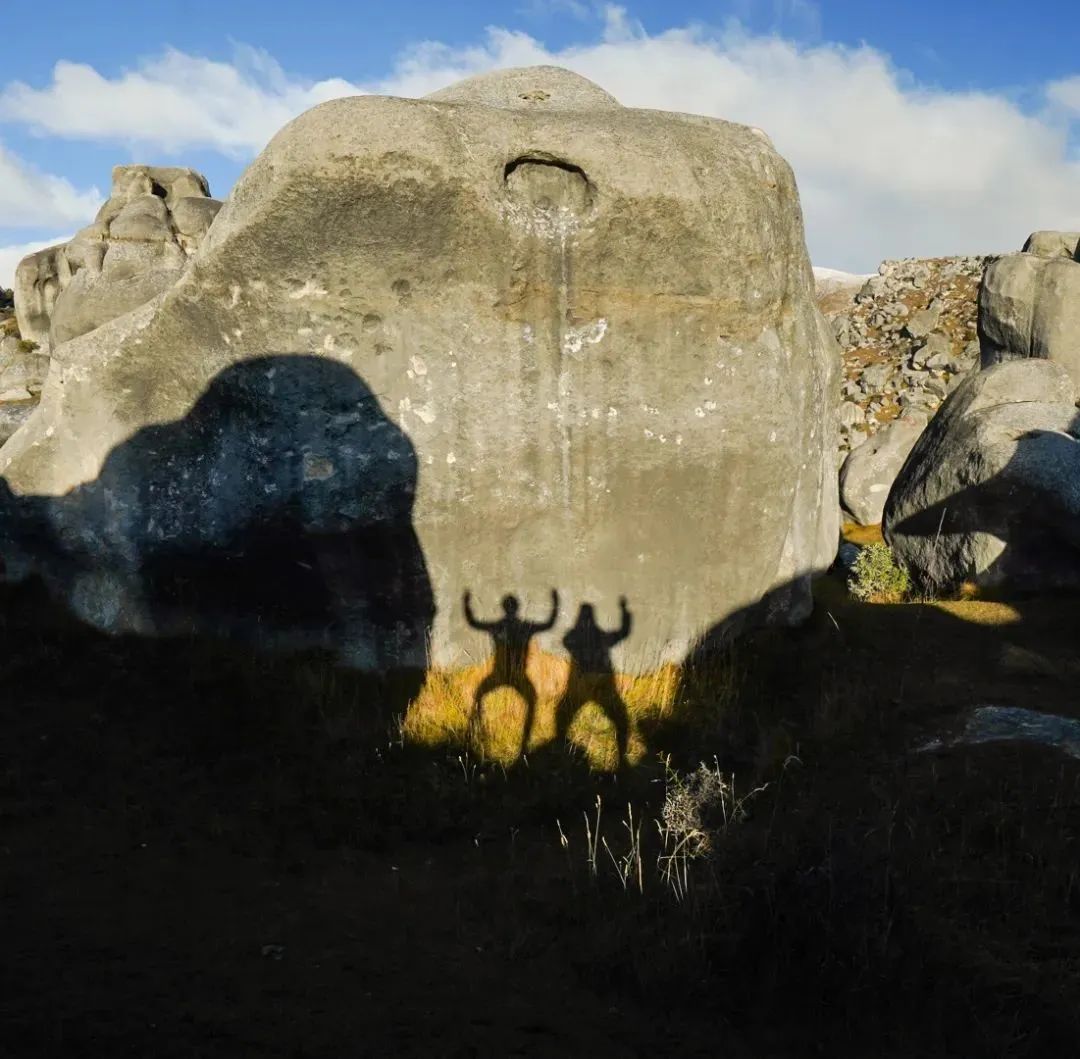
876	577
26	346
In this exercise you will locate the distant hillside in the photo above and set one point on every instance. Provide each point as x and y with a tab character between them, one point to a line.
908	336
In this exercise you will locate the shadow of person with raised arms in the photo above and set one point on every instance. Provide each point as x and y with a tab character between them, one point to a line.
592	675
511	636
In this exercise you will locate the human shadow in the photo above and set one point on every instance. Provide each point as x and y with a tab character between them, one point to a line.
510	636
278	510
592	675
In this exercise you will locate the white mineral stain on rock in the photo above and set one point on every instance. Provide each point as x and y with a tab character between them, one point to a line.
418	366
577	338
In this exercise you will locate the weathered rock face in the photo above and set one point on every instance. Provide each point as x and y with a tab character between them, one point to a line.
991	491
137	247
594	326
869	471
1030	307
1052	244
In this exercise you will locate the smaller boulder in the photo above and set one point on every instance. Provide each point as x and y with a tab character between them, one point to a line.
920	324
869	472
937	344
1052	244
991	491
1030	307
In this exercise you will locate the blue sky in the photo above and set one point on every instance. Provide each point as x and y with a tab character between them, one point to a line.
915	128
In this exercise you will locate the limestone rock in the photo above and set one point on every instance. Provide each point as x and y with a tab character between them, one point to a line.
991	491
510	338
884	364
870	470
546	88
137	247
922	323
1052	244
1030	307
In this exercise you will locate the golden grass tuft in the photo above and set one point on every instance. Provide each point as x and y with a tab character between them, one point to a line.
445	712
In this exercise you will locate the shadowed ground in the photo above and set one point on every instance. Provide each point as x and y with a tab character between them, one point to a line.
207	852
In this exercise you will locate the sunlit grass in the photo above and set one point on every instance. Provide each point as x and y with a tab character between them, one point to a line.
446	713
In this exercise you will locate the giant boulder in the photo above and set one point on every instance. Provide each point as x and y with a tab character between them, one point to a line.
991	491
574	346
138	246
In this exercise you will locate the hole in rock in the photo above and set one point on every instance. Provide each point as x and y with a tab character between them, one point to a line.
548	183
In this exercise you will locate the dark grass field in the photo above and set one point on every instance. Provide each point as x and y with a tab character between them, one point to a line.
205	852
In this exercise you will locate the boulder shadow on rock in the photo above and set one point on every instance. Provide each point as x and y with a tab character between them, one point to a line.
279	510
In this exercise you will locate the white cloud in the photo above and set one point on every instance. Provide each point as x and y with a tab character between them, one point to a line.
32	199
886	167
1065	93
172	102
10	256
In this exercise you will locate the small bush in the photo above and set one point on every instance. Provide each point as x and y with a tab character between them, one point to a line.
876	577
26	346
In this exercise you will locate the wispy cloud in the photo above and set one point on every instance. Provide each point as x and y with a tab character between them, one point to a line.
172	102
32	199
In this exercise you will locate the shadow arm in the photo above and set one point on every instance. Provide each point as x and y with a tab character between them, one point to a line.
471	618
626	625
550	623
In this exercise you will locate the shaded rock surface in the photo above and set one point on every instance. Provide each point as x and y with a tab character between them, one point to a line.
991	491
137	247
610	389
908	335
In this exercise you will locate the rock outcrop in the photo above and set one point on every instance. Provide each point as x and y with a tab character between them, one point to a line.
1029	306
510	338
908	337
137	247
991	491
1052	244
